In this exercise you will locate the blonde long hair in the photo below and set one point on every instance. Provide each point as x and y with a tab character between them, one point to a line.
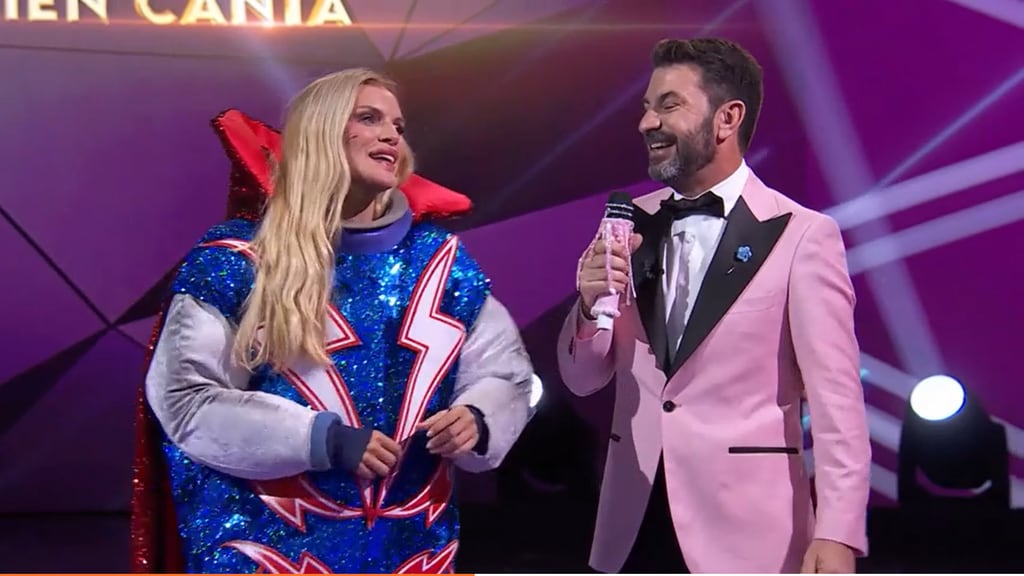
284	316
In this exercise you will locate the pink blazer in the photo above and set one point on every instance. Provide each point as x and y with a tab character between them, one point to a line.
765	329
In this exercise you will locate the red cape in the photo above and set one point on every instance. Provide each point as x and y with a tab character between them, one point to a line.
250	145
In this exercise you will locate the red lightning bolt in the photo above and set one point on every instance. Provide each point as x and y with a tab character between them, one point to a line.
427	562
272	561
435	337
323	389
431	500
236	245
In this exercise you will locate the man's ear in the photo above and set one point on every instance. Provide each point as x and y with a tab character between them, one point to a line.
729	118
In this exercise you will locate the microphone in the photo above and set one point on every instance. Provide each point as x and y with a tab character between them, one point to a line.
616	228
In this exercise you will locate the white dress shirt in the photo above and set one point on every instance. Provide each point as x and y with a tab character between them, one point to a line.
687	257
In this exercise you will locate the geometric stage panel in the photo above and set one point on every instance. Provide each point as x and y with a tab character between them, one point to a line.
74	446
41	313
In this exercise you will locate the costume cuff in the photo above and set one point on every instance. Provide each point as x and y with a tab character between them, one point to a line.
341	446
485	435
319	440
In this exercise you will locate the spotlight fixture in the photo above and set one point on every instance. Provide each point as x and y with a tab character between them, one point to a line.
950	449
953	481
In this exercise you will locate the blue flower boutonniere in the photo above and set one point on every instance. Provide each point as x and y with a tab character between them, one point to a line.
744	253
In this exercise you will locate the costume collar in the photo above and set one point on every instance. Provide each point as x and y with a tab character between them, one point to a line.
381	234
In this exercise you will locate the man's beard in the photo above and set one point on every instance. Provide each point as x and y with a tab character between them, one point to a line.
694	151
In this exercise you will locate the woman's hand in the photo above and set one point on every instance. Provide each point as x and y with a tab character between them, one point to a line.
379	458
452	432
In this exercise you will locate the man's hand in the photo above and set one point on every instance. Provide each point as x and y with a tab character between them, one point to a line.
451	432
828	557
379	458
593	279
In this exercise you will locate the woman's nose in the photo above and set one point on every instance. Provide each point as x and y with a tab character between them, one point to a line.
390	135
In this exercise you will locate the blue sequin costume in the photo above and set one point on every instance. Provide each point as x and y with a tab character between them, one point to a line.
225	525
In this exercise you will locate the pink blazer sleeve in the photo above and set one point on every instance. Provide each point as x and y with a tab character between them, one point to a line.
585	359
821	308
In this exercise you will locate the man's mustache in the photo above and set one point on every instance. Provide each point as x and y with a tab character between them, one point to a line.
658	137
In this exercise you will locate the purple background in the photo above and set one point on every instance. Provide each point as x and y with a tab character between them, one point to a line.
901	119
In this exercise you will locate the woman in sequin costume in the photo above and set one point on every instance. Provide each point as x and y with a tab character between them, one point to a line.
320	370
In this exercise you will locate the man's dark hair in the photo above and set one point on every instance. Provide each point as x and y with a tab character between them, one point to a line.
728	72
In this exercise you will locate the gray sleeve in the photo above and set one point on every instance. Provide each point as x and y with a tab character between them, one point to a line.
495	377
201	399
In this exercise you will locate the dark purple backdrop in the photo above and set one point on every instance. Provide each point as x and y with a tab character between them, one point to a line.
902	120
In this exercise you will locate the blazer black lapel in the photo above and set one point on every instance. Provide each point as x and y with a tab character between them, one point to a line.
648	271
728	274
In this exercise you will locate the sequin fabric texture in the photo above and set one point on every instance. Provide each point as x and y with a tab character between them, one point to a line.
372	292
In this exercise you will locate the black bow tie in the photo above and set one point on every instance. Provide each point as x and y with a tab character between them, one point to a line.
708	203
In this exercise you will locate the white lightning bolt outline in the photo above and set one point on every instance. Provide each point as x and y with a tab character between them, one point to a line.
435	337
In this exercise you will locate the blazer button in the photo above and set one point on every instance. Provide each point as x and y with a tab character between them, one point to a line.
668	406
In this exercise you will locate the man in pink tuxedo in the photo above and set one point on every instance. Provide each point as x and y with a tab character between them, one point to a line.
744	304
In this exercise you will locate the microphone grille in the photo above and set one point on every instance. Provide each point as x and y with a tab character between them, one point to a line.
620	197
620	205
